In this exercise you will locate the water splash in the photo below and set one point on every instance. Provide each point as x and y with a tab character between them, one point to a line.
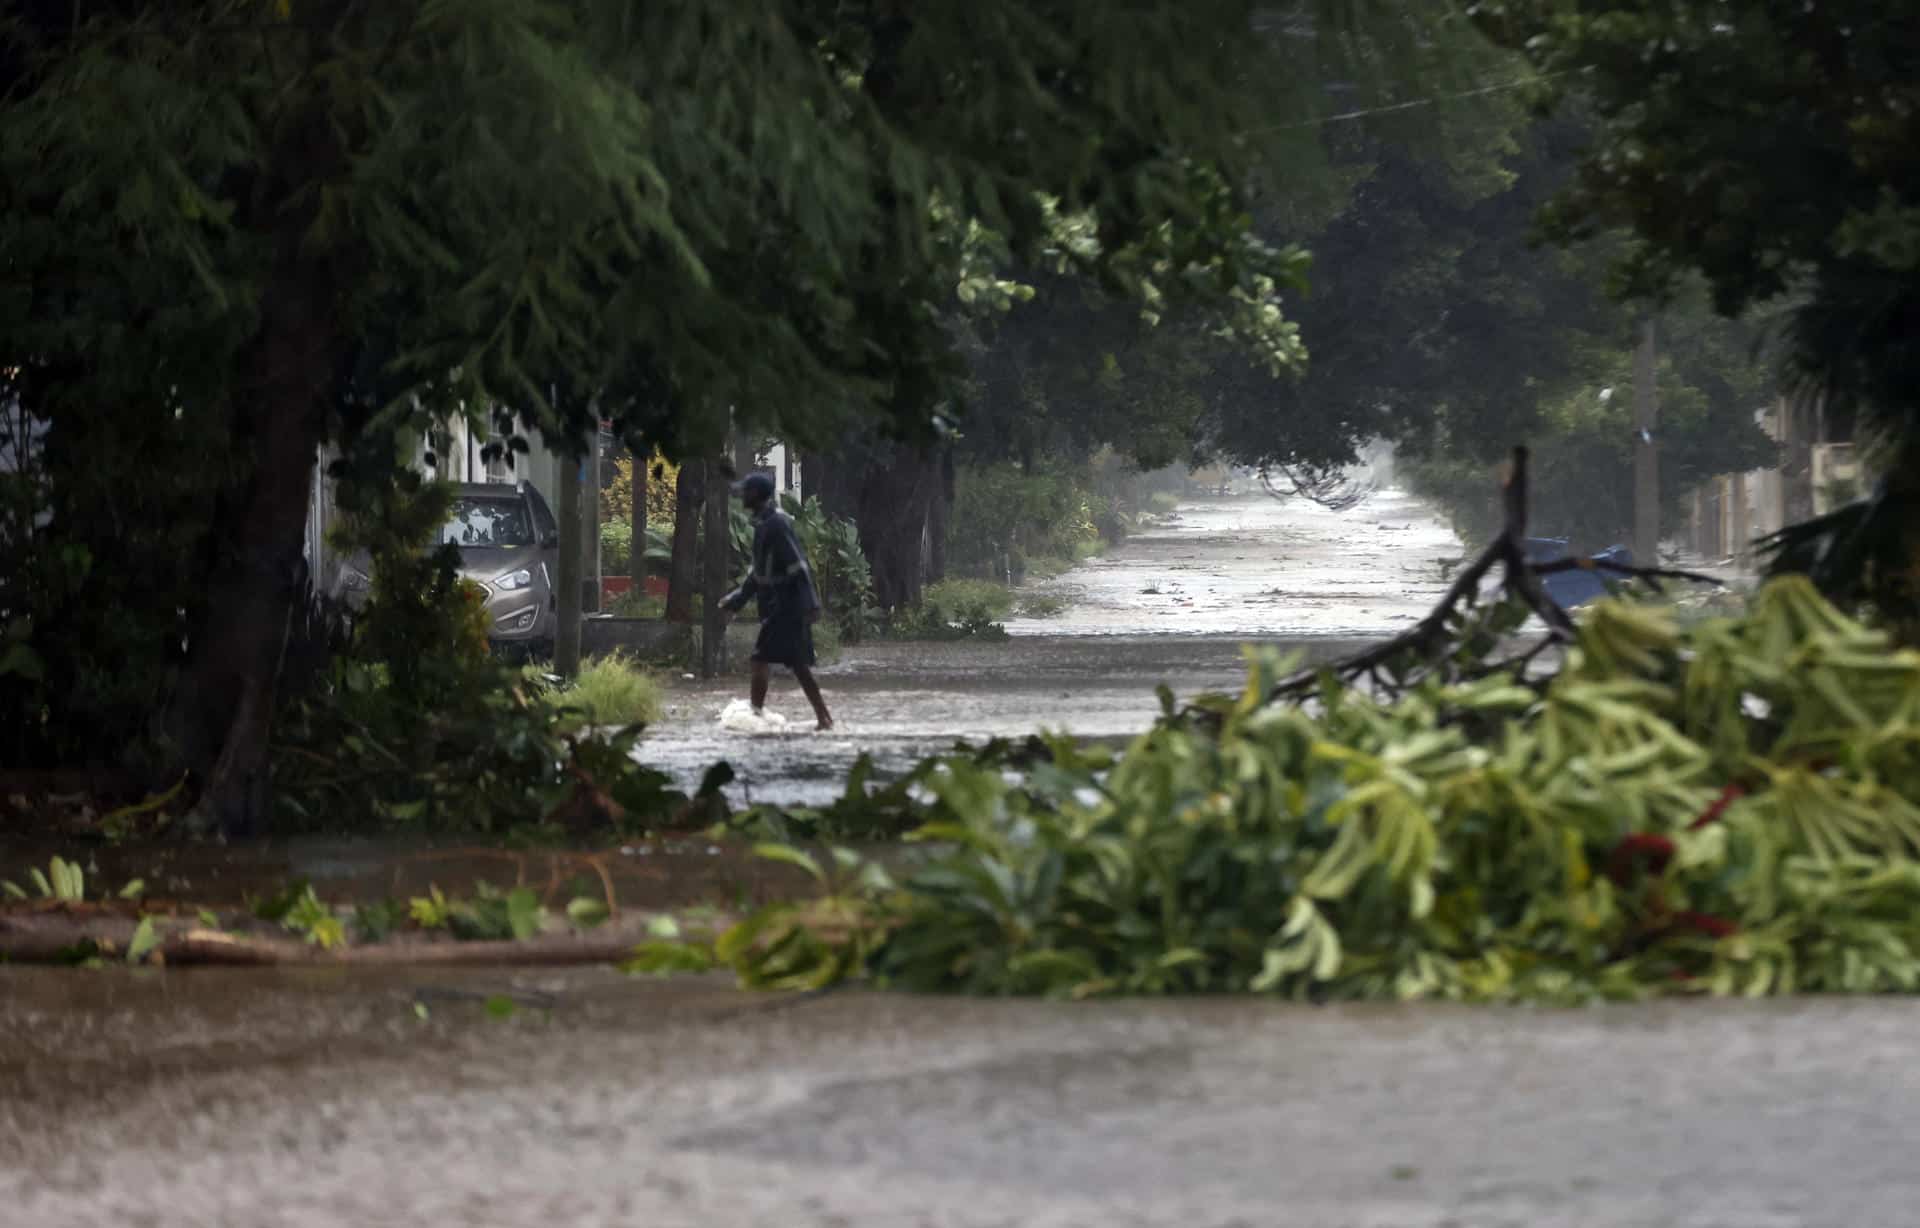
739	717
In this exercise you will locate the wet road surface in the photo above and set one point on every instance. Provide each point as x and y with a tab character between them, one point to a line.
224	1099
1173	604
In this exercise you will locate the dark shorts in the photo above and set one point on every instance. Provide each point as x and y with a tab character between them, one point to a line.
784	641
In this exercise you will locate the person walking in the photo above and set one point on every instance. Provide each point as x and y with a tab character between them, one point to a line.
782	584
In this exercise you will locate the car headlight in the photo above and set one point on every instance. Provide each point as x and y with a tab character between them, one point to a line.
514	581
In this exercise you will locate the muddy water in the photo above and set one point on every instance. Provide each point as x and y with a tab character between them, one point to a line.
1173	605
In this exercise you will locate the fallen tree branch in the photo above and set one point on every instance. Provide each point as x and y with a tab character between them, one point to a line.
1424	648
43	938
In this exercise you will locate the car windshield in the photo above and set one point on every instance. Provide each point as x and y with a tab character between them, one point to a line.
488	522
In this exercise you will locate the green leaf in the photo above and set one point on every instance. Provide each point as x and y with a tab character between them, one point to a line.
500	1006
791	856
585	912
144	940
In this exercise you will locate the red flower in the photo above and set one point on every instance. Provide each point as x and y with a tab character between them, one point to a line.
1706	923
1640	848
1717	807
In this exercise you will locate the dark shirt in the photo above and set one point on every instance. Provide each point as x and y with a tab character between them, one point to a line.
781	582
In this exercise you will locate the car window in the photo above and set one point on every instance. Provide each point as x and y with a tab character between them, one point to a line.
488	522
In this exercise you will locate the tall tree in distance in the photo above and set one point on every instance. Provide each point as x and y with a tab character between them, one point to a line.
1773	149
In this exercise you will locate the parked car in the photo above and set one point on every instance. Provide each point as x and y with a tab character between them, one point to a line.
1575	588
509	544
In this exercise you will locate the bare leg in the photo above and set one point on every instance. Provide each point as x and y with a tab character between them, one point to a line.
758	687
814	697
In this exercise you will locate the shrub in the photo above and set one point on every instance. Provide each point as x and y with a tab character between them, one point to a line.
1041	605
955	609
1003	514
610	690
616	546
983	596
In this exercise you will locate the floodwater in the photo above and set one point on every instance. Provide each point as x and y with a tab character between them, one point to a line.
1174	605
335	1098
375	1097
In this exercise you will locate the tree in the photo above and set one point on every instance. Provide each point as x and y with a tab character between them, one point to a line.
254	228
1772	148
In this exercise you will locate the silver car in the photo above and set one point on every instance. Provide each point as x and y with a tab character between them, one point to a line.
509	544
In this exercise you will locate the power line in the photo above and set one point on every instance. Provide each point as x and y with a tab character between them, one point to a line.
1412	104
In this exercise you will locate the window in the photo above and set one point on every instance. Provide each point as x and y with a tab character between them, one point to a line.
488	522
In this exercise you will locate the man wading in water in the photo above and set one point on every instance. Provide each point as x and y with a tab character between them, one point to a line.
782	583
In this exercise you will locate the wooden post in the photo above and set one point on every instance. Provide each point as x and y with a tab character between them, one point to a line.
714	569
638	563
590	582
1742	523
566	639
1646	452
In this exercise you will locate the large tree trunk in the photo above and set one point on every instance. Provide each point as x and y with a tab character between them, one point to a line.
939	518
637	563
683	569
223	712
888	491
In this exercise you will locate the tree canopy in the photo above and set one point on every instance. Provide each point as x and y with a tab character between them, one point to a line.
1772	148
234	230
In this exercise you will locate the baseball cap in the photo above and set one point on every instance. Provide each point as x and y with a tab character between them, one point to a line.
756	484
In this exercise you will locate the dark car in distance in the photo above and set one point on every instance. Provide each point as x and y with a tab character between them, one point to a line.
509	544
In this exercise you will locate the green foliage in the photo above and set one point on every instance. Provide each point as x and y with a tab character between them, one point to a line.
230	224
315	921
609	690
1005	516
416	726
953	610
354	757
423	626
63	881
616	546
635	604
1823	222
984	596
1041	605
1733	808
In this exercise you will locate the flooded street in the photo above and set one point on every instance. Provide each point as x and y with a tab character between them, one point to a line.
369	1099
1174	604
481	1097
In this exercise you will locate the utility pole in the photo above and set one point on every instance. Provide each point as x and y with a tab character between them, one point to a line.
715	552
566	637
1646	452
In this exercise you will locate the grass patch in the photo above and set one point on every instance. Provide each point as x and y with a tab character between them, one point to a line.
1041	605
1162	502
635	604
1047	566
611	690
985	596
